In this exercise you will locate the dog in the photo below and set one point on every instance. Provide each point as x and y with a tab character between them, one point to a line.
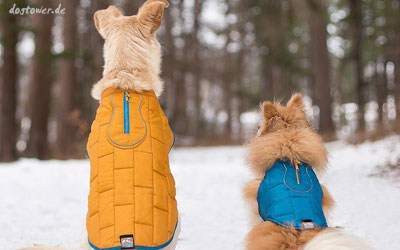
287	203
132	192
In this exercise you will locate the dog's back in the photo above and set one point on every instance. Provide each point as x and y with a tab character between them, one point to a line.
285	135
132	191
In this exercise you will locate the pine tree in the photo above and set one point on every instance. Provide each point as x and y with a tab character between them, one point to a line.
321	66
9	82
67	113
40	84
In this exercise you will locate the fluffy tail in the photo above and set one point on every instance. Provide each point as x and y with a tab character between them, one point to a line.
334	239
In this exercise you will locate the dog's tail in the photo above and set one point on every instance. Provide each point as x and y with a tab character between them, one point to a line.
335	239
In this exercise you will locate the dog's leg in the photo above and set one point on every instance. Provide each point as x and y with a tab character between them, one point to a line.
327	201
250	196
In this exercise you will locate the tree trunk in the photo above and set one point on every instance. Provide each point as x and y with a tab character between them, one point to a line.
239	69
227	77
169	63
131	7
227	95
9	127
321	69
67	120
357	29
179	115
397	74
40	85
98	43
196	69
381	90
268	90
97	61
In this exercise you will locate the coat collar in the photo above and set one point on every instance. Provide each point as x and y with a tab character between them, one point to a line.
108	92
301	144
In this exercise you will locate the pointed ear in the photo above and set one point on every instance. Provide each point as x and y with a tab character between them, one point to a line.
296	101
102	18
269	110
151	13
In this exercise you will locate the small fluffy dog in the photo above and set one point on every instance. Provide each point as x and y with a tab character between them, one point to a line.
288	204
132	192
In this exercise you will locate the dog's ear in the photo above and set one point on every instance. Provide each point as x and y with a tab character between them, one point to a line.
269	110
103	18
150	15
296	101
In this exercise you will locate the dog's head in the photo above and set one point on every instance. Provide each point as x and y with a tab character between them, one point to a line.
131	45
285	134
276	117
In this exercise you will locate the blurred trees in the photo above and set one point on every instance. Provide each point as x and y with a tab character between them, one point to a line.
40	85
320	65
221	58
68	113
129	7
355	19
9	76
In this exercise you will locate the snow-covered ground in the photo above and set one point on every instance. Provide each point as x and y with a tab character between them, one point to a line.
44	202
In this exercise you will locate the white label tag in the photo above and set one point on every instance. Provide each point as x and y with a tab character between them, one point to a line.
308	225
127	242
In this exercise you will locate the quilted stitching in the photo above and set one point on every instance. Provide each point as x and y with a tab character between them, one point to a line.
132	190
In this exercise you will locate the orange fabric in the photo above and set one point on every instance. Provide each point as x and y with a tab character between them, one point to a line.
132	190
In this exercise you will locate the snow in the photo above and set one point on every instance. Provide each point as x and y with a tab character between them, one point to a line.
44	202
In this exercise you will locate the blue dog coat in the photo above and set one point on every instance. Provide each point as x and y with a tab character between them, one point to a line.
291	196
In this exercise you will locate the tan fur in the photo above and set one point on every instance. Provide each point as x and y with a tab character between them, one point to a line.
132	53
250	195
327	201
284	134
269	236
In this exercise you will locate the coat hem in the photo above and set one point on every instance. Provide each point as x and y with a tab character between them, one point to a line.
139	247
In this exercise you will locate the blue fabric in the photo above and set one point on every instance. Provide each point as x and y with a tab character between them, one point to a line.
140	247
285	202
126	114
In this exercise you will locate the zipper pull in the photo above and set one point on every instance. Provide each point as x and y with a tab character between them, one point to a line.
296	165
128	96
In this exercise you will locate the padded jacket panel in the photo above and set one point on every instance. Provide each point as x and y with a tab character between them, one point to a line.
132	191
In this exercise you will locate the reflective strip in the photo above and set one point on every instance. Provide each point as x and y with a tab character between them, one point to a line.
126	115
141	117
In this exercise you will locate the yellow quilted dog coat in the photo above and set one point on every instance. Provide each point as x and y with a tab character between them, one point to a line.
132	192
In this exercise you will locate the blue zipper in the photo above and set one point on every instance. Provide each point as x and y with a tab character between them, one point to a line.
126	113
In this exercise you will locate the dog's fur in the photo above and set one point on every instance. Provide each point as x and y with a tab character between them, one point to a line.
132	56
285	134
132	53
